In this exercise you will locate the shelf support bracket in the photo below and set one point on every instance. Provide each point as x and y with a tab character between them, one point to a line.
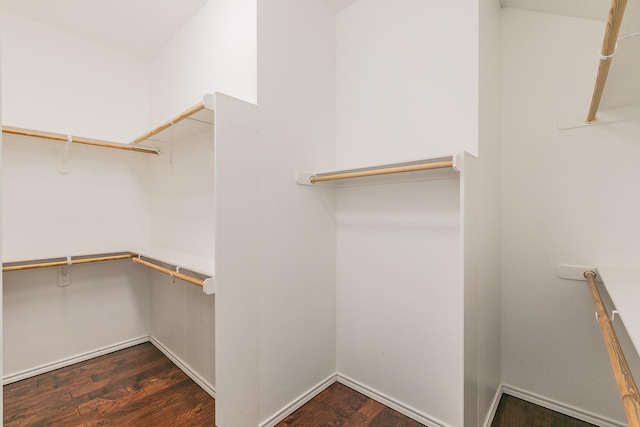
63	159
64	274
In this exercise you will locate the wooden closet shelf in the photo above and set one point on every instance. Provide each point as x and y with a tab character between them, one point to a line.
200	114
439	168
60	262
76	140
612	30
208	283
199	117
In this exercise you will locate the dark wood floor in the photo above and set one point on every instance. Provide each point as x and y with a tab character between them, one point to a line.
514	412
340	406
137	386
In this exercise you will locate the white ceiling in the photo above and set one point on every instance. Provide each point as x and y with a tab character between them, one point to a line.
136	27
588	9
142	27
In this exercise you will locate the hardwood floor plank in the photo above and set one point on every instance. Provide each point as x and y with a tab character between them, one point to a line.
135	386
108	384
313	414
340	406
344	400
514	412
139	386
389	417
371	409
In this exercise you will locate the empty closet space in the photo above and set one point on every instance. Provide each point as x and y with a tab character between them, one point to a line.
109	178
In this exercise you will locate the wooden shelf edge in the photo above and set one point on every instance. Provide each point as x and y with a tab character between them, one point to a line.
207	103
76	140
208	283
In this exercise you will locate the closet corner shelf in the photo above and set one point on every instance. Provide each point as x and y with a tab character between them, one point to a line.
147	256
623	287
424	169
197	119
76	140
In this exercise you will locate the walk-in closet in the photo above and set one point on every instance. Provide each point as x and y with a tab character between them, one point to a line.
293	198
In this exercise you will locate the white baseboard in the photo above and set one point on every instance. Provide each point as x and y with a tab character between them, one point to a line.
28	373
391	403
561	407
494	407
191	373
297	403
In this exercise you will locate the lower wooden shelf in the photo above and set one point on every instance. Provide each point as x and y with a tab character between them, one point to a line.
149	257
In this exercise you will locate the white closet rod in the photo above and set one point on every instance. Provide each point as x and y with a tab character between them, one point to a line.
382	171
76	140
616	12
626	384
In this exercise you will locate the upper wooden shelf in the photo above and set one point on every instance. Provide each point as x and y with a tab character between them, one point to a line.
76	140
195	120
423	169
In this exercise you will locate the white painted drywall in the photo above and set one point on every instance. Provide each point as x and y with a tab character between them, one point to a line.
57	82
88	211
488	219
296	114
400	296
407	89
182	320
214	52
182	200
182	196
413	65
105	304
85	212
568	197
237	265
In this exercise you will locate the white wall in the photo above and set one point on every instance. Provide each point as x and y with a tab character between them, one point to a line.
407	89
296	117
487	220
100	206
105	304
182	195
183	219
413	64
567	199
182	321
237	265
214	52
400	294
57	82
